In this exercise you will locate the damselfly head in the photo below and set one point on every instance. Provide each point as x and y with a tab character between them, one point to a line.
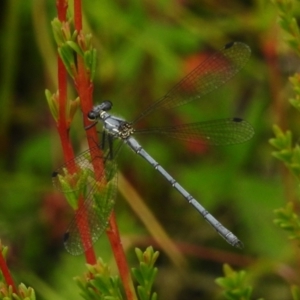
93	115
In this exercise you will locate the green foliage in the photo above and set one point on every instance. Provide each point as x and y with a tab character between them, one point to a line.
52	100
295	292
99	284
73	184
66	45
288	220
286	217
285	151
234	284
288	22
24	293
295	80
146	273
68	42
143	49
6	291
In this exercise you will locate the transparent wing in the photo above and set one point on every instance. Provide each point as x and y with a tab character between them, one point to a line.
217	132
212	73
91	219
97	191
76	173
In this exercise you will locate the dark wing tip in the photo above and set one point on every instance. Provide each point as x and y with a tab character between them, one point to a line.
66	236
54	174
237	120
70	246
248	128
245	47
229	45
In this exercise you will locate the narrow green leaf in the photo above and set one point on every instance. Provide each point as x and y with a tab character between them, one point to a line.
295	292
57	32
74	105
52	103
74	46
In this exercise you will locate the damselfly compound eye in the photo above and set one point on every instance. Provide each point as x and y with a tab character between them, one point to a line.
92	116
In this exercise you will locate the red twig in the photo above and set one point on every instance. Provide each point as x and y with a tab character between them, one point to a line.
116	244
77	15
6	274
63	127
61	7
85	89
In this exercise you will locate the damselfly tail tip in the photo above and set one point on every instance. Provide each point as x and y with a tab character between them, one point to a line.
239	244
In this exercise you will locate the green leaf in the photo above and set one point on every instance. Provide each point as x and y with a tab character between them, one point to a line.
288	220
67	56
146	273
283	155
234	284
282	140
74	105
90	60
74	46
53	104
295	292
57	32
101	285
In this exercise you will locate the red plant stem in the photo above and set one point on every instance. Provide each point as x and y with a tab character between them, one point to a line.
77	15
63	127
6	274
61	7
83	84
116	244
85	90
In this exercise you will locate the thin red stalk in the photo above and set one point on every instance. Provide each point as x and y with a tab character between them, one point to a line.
116	244
61	7
85	90
63	126
5	271
83	84
83	227
78	15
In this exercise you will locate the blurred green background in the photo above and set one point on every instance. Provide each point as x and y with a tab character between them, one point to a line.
144	48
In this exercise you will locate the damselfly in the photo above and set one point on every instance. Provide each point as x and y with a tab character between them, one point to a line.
81	177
